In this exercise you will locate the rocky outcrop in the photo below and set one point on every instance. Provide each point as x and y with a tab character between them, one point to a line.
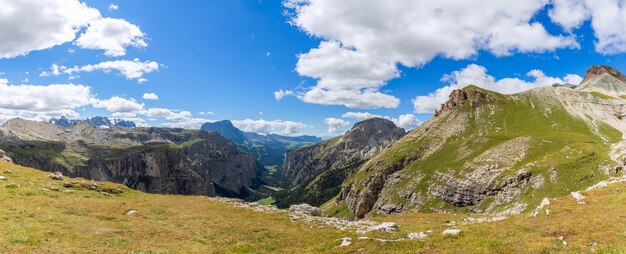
305	209
4	157
472	190
458	97
605	80
156	160
363	141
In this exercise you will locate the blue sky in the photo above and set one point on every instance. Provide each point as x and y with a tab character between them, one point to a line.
229	57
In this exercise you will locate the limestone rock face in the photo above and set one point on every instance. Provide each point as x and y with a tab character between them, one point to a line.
155	160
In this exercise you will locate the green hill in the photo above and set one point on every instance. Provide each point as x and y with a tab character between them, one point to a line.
489	152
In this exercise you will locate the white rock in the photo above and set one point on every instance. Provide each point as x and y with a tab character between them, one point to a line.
579	197
612	180
545	202
346	241
3	178
57	176
383	227
451	231
131	212
419	235
306	209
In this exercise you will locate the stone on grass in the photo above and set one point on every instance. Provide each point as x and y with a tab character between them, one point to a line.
419	235
383	227
346	241
131	212
579	197
306	209
57	176
2	178
451	231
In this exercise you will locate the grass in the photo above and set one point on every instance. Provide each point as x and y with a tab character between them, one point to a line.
87	221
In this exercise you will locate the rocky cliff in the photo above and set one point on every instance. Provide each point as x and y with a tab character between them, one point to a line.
489	152
156	160
315	172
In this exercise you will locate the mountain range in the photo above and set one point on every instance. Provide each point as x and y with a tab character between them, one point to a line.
482	152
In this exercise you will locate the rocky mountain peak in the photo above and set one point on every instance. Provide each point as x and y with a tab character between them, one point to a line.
374	124
226	129
457	98
604	79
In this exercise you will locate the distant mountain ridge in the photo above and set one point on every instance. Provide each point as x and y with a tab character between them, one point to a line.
97	121
268	149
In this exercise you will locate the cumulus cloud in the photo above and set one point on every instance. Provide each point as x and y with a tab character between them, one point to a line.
112	36
118	104
335	125
406	121
191	123
167	114
113	7
134	69
266	127
42	102
30	25
363	41
608	20
280	94
150	96
477	75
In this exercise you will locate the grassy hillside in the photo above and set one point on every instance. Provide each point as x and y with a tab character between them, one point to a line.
530	131
42	215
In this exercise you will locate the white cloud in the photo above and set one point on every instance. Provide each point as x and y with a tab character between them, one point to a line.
275	126
150	96
192	123
134	69
31	25
608	20
406	121
477	75
209	113
364	40
118	104
112	36
335	125
167	114
113	7
280	94
41	102
346	77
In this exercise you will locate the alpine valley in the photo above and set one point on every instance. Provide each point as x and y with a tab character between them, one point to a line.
540	171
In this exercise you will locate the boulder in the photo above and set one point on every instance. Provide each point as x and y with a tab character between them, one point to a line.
306	209
383	227
57	176
451	231
2	178
4	157
419	235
